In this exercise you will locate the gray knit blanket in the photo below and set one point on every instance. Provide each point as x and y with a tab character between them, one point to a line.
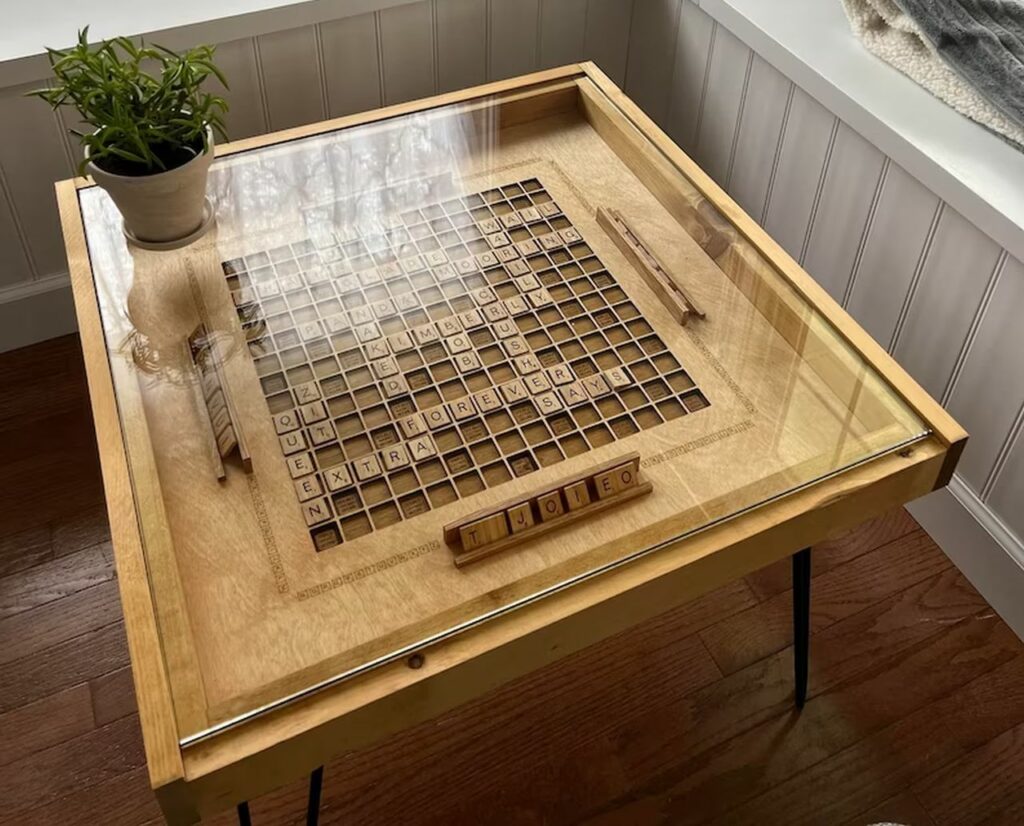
969	53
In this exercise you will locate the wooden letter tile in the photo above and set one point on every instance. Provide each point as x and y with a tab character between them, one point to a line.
316	512
412	425
307	487
367	467
577	495
292	442
520	517
337	477
395	457
301	464
550	505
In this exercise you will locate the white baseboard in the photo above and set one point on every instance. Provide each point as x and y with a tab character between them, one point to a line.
987	552
35	311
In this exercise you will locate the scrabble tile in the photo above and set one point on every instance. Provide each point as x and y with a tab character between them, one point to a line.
548	403
458	343
412	425
520	517
613	481
394	386
390	270
313	412
577	495
526	364
462	409
336	323
436	258
436	417
497	239
301	464
412	264
322	432
513	391
485	260
467	362
540	298
561	374
572	393
516	346
425	334
307	392
526	283
489	226
485	295
316	511
395	456
422	447
536	383
487	400
618	377
471	319
220	418
445	272
484	531
377	349
449	326
383	309
528	247
511	219
466	266
506	329
337	477
570	235
550	241
595	385
550	505
406	302
495	312
530	215
292	442
367	332
226	441
549	209
308	487
384	367
367	467
506	254
369	277
516	268
361	314
286	422
516	305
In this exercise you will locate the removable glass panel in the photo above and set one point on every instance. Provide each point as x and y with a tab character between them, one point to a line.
401	323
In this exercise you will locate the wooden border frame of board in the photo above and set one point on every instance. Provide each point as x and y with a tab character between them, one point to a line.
269	750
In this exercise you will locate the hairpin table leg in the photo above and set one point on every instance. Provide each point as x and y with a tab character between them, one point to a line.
243	814
316	782
801	621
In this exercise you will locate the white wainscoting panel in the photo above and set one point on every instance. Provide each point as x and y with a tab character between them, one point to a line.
14	263
944	301
1005	497
247	115
351	64
765	106
793	192
461	44
851	187
727	77
894	246
692	50
986	398
606	41
33	155
563	30
652	46
292	80
407	46
513	37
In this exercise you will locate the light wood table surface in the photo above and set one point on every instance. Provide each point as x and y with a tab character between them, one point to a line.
279	617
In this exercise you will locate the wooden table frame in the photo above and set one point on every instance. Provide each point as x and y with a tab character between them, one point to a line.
248	759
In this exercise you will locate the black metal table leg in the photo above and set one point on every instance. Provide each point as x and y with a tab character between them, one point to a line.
801	621
243	814
316	782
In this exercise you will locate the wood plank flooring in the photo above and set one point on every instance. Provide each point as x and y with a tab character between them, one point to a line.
915	713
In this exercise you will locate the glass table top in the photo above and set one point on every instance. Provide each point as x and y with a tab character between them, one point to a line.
405	322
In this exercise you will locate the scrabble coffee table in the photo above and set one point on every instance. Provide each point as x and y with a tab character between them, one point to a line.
452	389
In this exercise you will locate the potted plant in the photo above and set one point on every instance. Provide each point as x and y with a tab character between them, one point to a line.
152	134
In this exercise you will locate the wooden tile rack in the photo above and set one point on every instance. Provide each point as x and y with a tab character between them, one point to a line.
660	280
226	436
493	529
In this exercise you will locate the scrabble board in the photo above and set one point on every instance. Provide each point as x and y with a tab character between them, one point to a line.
477	340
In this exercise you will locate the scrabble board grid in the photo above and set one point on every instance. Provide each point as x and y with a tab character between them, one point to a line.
476	340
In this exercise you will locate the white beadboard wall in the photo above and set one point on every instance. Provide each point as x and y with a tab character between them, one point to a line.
402	51
939	293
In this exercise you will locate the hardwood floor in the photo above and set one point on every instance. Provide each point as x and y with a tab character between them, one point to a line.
915	712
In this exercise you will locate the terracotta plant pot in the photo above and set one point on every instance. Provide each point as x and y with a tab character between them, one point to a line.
164	207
